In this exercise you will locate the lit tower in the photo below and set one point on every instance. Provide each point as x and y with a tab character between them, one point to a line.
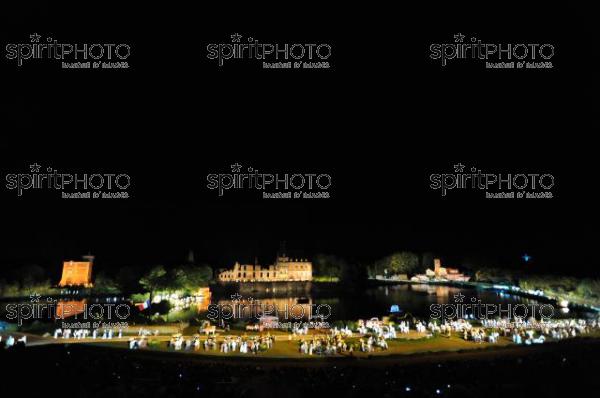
77	273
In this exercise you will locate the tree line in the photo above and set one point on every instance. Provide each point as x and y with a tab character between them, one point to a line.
27	280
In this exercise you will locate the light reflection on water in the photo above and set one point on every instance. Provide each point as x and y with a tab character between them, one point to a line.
415	299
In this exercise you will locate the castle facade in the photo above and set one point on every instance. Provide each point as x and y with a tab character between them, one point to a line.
285	269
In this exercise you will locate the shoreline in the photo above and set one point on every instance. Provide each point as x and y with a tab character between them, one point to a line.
420	357
488	286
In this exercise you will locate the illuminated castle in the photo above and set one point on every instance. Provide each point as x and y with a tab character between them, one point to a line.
77	273
285	269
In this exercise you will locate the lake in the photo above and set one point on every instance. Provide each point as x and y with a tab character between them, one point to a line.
303	302
420	300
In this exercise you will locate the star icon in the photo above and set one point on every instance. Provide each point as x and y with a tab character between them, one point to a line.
35	38
458	298
236	297
34	167
458	168
236	37
235	168
459	37
35	297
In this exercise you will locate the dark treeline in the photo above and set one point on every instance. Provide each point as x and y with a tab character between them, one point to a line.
24	281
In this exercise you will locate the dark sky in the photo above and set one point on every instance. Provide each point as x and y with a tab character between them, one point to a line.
379	122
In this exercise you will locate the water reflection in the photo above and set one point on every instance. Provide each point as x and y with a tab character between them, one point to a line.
284	307
415	299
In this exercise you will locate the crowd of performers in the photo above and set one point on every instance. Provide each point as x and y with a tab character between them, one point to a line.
79	334
374	337
373	334
335	343
367	336
11	341
533	331
241	344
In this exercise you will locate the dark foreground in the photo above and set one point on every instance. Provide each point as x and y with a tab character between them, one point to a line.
566	369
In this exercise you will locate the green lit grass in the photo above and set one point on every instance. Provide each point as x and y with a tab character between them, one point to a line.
289	349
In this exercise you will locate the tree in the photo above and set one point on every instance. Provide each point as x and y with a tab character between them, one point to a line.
31	275
197	276
329	266
177	279
589	289
155	279
105	284
353	276
127	278
189	277
399	263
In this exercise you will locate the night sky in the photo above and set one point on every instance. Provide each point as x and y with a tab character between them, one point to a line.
379	122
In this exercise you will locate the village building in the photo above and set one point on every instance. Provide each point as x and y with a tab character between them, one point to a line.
440	273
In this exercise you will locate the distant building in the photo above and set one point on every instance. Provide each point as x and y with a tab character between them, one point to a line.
285	269
77	273
440	273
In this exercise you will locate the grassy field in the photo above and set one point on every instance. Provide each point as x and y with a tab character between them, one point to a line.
289	349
